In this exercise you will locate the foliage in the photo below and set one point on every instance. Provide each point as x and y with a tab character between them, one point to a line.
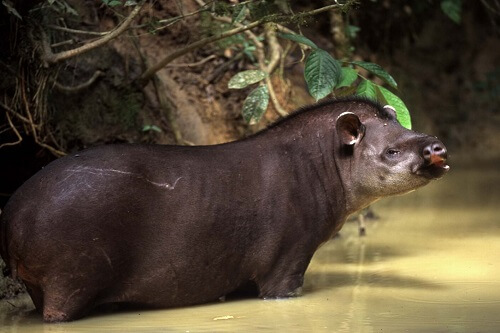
453	9
151	128
378	71
255	104
366	89
322	73
299	39
115	3
324	76
349	75
247	28
402	113
246	78
239	14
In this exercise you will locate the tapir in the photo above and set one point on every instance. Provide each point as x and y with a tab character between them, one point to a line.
164	226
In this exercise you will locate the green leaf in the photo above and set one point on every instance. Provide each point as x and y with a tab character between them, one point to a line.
322	73
239	15
402	113
246	78
299	39
349	75
453	9
114	3
367	89
349	91
378	71
255	104
148	128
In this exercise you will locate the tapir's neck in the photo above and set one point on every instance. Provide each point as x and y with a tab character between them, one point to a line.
343	169
355	199
305	154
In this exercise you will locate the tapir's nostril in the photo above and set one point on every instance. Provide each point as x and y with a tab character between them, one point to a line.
435	153
437	148
427	152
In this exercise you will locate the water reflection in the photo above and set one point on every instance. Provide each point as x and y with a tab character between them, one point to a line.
430	263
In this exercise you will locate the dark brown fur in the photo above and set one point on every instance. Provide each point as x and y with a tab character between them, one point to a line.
169	226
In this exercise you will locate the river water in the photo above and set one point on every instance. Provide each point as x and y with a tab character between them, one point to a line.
430	263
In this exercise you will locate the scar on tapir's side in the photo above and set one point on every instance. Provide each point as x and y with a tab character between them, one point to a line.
164	226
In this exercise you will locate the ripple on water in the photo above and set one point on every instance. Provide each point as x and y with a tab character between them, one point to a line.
455	293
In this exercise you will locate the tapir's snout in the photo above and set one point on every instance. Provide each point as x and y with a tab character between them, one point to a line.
435	156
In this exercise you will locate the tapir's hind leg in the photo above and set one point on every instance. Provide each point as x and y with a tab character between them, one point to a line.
32	285
58	299
61	303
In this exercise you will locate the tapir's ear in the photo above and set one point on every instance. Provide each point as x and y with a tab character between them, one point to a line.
390	110
349	129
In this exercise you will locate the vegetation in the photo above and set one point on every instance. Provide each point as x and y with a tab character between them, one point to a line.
258	25
51	50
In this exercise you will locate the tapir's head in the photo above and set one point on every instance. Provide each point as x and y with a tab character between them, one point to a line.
379	157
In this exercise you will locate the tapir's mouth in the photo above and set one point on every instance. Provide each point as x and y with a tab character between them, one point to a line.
435	169
438	161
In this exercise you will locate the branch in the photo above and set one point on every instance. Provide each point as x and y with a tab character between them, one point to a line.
19	137
490	8
66	42
75	31
194	64
275	51
6	108
277	106
81	86
53	150
148	74
319	10
167	22
222	68
261	57
171	20
54	58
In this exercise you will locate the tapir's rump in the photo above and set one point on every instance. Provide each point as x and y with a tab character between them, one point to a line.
163	226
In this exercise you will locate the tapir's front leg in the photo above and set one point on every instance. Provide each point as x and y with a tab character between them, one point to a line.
285	279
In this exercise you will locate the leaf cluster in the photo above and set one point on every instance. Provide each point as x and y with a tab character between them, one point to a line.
116	3
324	75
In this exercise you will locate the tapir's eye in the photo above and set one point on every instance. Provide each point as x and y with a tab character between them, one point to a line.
392	152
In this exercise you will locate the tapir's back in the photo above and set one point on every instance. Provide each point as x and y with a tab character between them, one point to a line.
117	192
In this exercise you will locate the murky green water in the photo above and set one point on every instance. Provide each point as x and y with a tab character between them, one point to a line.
431	263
